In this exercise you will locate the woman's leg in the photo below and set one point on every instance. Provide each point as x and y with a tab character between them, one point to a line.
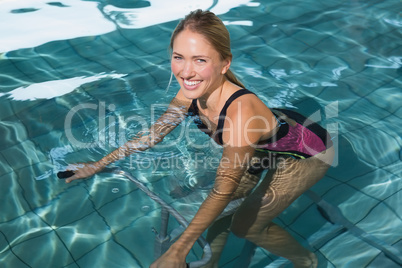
217	236
281	186
219	231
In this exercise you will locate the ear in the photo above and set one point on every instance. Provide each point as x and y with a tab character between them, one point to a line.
226	65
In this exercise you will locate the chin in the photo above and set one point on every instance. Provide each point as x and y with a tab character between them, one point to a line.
191	95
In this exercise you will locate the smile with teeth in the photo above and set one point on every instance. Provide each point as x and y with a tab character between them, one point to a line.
191	83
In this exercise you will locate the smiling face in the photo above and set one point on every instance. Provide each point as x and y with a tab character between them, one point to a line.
196	65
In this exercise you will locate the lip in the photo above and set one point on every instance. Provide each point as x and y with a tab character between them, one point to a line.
191	87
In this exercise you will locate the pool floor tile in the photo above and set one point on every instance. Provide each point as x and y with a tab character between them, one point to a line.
43	251
24	228
109	254
370	183
83	236
387	222
138	239
8	257
72	205
355	252
12	198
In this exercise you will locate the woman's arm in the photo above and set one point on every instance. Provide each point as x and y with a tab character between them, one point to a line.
233	164
171	118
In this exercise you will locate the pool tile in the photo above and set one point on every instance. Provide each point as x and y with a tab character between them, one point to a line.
71	265
109	254
123	62
50	48
91	47
396	170
295	210
115	40
135	202
384	151
31	64
379	184
386	221
310	38
349	165
110	190
23	155
356	58
12	132
333	67
365	109
325	185
7	256
12	196
5	167
383	261
84	235
138	238
72	204
346	244
45	143
11	77
25	228
385	43
394	200
289	12
308	222
238	34
289	46
350	199
6	108
44	251
387	97
64	59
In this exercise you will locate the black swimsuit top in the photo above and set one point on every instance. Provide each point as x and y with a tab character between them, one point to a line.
217	136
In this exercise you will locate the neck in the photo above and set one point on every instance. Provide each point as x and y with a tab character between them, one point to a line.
211	99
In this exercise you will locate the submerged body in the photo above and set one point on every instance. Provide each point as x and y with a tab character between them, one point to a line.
297	154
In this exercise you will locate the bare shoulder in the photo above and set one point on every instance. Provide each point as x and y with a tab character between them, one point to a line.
250	118
248	105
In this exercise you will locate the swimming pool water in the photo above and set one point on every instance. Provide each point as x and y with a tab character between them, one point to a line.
77	78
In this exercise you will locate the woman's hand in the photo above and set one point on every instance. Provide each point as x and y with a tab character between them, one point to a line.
83	170
171	259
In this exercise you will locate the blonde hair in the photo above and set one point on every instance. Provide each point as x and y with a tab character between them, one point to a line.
212	28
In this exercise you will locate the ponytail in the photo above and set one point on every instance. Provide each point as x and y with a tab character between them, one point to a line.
232	78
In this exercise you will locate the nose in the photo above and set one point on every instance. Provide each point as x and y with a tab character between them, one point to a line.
188	70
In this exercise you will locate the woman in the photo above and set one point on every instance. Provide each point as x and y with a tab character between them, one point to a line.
235	118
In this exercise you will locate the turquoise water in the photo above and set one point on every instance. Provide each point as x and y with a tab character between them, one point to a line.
78	78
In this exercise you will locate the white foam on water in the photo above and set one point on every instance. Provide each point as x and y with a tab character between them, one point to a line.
48	22
26	24
55	88
161	11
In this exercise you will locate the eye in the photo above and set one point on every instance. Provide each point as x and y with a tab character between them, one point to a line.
177	57
201	61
